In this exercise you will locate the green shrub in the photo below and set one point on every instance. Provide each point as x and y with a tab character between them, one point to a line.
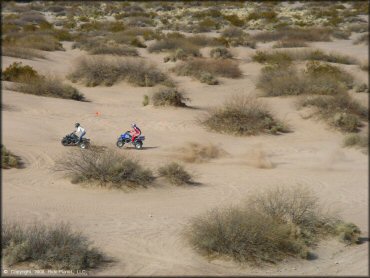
9	160
93	71
49	247
169	97
270	226
18	73
175	174
235	20
243	115
106	168
145	100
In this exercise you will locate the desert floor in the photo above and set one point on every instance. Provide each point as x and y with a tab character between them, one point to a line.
142	229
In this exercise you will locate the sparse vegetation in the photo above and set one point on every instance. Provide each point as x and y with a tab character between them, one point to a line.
302	34
220	53
243	115
9	160
234	36
53	246
105	168
198	153
357	141
362	39
93	71
289	43
114	50
16	72
268	227
19	52
169	97
211	67
175	174
341	111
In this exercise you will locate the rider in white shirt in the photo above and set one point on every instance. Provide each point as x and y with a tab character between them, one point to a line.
80	130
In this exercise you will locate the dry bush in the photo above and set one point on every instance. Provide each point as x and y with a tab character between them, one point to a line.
285	43
356	140
243	115
93	71
16	72
365	66
198	153
9	160
128	38
206	69
104	167
23	53
233	36
271	226
358	27
362	39
169	97
34	40
287	56
175	174
140	21
114	50
49	247
341	111
49	87
220	53
172	44
302	34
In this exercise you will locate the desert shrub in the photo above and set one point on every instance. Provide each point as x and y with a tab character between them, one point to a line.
93	71
358	27
233	36
140	21
208	78
341	111
106	168
145	100
235	20
362	39
302	34
34	40
146	33
198	153
9	160
199	68
114	50
220	53
341	34
243	115
175	174
269	227
289	43
285	57
172	44
317	70
365	66
178	54
169	97
16	72
49	87
356	140
53	246
360	88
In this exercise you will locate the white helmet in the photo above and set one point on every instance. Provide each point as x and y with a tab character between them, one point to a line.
133	125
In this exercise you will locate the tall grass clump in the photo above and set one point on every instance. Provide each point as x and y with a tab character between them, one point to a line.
198	153
93	71
317	78
268	227
201	68
106	168
175	174
243	115
341	111
49	87
54	246
169	97
20	52
8	159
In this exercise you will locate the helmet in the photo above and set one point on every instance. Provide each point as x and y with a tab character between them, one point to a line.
133	125
77	125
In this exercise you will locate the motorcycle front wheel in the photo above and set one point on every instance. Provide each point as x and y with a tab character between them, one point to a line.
120	143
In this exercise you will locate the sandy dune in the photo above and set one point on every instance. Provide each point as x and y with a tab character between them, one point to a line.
142	229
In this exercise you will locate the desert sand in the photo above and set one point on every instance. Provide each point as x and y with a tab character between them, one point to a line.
142	229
